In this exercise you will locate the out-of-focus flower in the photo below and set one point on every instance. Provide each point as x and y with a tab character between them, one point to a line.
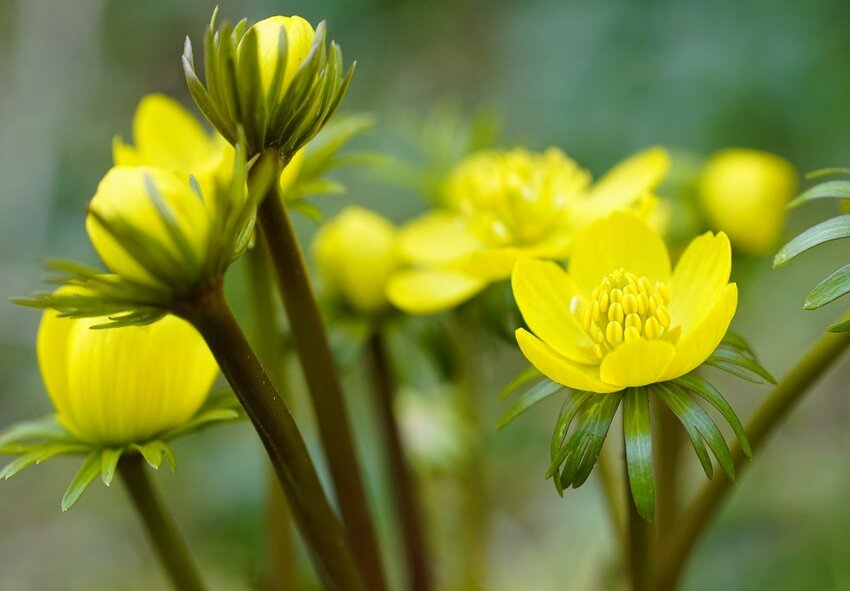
745	193
124	385
620	318
355	253
283	86
151	251
501	207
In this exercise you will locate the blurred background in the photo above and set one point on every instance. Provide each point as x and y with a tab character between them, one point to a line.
600	80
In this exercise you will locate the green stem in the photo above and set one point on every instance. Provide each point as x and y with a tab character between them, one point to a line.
407	505
640	548
771	412
281	560
311	343
329	547
161	529
669	437
613	492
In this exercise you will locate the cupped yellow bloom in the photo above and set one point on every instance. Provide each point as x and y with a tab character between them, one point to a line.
502	207
123	385
124	196
620	317
355	254
298	35
745	193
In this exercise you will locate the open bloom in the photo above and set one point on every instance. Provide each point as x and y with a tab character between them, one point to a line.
745	193
502	207
123	385
620	317
355	254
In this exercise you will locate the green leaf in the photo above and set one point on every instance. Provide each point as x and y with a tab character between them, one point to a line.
701	387
108	463
827	190
588	438
736	341
203	419
833	229
572	404
40	454
699	426
526	376
638	436
527	399
46	429
829	290
739	364
153	452
86	475
842	326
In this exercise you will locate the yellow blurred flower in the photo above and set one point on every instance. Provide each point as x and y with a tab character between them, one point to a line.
355	253
619	317
123	385
124	197
276	77
745	193
501	207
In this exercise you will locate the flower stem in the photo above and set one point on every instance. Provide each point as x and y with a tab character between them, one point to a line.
281	563
329	547
311	344
407	505
640	547
785	395
161	529
669	437
613	492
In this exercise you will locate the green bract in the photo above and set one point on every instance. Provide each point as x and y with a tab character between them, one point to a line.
585	418
250	83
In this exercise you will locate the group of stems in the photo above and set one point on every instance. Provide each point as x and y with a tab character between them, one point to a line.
659	566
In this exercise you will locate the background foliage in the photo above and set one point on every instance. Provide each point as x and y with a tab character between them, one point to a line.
600	80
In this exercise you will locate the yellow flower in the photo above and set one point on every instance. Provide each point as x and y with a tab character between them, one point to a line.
123	385
168	136
299	35
124	196
355	255
502	207
619	317
745	193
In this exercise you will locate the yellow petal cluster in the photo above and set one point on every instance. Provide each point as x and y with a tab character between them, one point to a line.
620	317
502	207
124	195
298	35
355	254
123	385
745	193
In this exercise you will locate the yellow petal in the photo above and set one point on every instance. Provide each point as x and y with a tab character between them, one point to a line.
558	368
431	291
299	39
699	278
495	264
130	384
620	240
543	292
622	186
52	352
166	135
696	344
637	363
437	238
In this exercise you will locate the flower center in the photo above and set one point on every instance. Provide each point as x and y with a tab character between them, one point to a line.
624	308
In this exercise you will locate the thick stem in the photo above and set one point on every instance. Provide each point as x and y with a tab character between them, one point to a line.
326	540
311	344
612	489
159	525
784	397
669	437
281	565
640	548
404	490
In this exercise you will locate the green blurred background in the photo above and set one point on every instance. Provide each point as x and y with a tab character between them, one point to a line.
599	80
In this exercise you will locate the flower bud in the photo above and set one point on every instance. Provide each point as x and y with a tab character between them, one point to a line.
148	226
355	254
272	33
123	385
745	193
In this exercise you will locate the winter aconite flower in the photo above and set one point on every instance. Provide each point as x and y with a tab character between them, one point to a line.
745	193
123	385
355	253
620	317
502	207
276	80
